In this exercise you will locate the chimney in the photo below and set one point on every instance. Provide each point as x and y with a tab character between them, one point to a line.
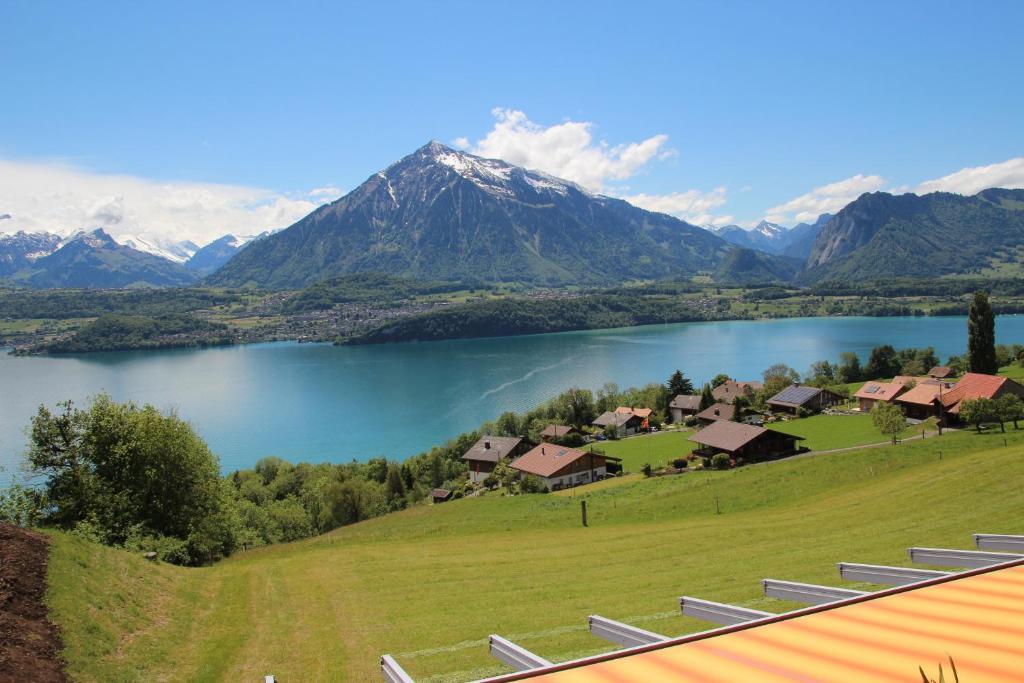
542	451
487	445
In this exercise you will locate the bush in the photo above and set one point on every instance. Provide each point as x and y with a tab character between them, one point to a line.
491	481
646	469
531	484
679	463
720	461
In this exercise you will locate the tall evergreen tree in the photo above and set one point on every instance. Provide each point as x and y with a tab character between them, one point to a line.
706	398
678	384
981	336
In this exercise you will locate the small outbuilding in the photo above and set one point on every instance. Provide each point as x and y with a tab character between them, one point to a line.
683	406
487	452
795	398
745	441
440	495
941	372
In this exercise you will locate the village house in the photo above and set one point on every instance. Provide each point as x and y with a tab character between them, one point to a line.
730	389
873	392
683	406
940	372
795	398
552	432
625	423
560	467
975	385
716	412
487	452
745	441
922	401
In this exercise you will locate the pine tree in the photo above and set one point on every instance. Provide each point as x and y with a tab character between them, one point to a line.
981	336
679	384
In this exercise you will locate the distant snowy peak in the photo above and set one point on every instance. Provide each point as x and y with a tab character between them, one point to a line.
493	175
178	252
770	230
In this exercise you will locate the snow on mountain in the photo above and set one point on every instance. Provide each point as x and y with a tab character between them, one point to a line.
178	252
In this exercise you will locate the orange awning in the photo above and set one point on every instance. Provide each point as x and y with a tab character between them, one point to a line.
976	617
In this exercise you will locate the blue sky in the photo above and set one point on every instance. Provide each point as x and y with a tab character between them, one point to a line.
746	108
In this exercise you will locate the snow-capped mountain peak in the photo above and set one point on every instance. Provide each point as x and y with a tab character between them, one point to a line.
770	230
178	252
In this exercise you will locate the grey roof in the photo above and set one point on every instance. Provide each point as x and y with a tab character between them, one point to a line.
685	402
795	395
613	418
492	448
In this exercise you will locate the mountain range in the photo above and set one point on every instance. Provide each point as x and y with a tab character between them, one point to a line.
442	214
771	238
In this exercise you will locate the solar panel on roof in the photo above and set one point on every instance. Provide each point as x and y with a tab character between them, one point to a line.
796	395
872	390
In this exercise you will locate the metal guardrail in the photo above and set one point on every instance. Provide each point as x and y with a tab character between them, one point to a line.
808	593
719	612
392	672
516	656
999	542
972	559
622	634
890	576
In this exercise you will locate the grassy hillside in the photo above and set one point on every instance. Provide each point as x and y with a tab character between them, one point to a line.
429	584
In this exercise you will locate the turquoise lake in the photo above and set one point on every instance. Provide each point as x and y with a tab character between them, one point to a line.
316	402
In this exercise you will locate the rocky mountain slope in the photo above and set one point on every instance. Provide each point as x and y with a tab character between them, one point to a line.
881	235
443	214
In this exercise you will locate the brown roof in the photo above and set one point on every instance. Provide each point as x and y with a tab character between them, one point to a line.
685	402
730	389
717	411
880	391
730	436
940	372
546	459
922	394
557	430
492	448
440	493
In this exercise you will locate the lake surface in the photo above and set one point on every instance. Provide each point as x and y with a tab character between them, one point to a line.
316	402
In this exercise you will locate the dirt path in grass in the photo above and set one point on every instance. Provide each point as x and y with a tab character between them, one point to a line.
29	642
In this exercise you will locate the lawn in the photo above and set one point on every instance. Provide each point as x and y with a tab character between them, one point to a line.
429	584
657	449
825	432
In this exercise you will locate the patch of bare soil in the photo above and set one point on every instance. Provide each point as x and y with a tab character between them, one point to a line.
29	642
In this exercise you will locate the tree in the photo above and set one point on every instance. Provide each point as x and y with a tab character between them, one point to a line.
778	377
741	405
1010	408
707	399
849	369
130	472
883	363
977	411
888	419
822	373
678	384
981	336
718	380
394	487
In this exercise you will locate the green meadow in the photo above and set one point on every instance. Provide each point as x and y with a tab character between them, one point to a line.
429	584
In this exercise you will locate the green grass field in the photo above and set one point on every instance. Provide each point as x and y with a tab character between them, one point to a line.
429	584
657	449
826	432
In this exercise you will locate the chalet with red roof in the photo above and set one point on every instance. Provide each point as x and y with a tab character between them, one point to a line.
874	392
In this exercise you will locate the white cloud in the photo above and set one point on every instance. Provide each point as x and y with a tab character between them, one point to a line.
825	199
971	180
329	193
461	143
566	150
59	198
693	206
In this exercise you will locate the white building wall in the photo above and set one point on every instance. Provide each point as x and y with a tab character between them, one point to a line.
575	479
